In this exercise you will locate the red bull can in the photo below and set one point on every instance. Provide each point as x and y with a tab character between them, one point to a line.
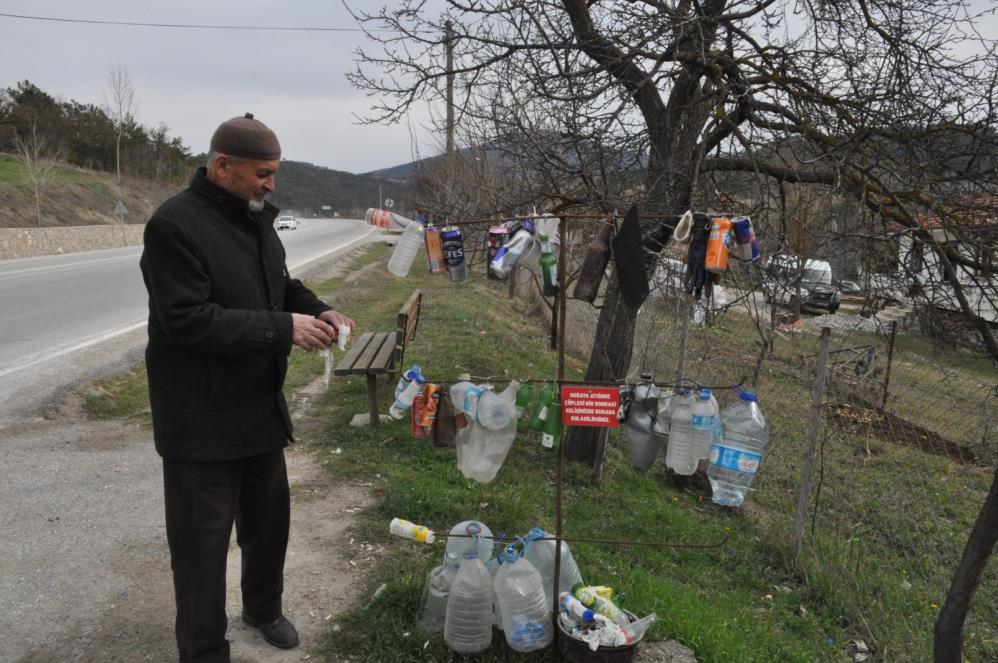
497	237
748	246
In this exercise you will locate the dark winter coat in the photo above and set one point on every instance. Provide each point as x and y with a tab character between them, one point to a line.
220	304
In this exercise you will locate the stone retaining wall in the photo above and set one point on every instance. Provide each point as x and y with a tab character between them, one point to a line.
31	242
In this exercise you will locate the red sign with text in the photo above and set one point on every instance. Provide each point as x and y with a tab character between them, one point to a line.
590	406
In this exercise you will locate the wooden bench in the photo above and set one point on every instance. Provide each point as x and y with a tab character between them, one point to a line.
381	353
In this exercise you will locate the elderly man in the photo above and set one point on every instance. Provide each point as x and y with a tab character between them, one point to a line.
223	315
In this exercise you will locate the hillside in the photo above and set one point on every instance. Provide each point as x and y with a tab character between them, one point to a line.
80	197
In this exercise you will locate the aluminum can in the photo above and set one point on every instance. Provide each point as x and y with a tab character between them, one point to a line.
717	245
453	242
431	402
497	238
434	250
418	405
748	245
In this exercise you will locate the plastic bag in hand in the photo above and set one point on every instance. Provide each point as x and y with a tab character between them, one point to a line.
696	275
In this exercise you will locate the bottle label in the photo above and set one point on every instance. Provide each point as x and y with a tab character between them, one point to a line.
736	460
547	440
703	422
543	414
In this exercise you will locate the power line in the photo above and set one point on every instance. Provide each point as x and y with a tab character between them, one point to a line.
184	25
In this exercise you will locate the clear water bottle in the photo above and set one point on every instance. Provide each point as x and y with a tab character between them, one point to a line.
642	444
479	539
406	250
540	552
734	461
468	624
705	422
435	595
404	400
406	378
679	454
495	411
458	390
522	604
509	253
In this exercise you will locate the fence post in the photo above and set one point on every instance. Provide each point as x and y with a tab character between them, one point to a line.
812	437
890	360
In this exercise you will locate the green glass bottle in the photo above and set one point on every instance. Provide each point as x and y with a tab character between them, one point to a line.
552	427
542	407
523	394
549	268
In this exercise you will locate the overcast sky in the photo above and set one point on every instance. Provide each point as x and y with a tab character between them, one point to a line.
192	79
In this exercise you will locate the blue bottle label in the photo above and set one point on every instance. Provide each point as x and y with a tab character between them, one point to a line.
736	460
703	422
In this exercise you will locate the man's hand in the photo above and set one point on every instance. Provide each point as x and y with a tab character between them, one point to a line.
310	333
336	319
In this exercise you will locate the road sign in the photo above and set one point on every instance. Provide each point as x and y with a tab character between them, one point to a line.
120	209
389	203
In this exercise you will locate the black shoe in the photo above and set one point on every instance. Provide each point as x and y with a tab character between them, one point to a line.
280	632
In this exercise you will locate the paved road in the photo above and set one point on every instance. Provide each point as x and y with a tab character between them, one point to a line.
59	312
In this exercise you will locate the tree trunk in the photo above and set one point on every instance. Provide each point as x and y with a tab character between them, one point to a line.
117	157
948	644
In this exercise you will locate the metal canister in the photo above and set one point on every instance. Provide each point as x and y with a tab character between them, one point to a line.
453	243
434	250
418	406
431	402
497	237
717	245
748	245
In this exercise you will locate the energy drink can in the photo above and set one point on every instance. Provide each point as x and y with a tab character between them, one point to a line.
431	402
418	406
748	245
434	250
717	246
453	243
497	238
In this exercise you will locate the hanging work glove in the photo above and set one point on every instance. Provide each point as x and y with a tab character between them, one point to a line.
696	275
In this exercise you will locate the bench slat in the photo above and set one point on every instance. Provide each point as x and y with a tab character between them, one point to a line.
363	363
382	362
346	365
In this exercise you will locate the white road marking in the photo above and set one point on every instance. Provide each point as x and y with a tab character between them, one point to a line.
59	352
84	263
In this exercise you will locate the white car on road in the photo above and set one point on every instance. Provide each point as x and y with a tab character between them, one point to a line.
286	222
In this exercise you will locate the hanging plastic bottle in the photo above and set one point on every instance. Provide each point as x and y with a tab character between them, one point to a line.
468	624
477	537
406	249
641	443
520	596
509	253
541	408
495	411
404	400
540	551
663	419
551	437
549	268
523	395
458	390
679	454
408	530
704	422
597	256
434	603
734	461
486	448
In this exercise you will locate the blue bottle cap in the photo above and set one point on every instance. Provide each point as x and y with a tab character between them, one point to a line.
704	394
536	533
747	395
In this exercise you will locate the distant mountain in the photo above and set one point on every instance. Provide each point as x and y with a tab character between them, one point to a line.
304	188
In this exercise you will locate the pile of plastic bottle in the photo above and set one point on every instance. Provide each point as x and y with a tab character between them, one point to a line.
472	590
691	425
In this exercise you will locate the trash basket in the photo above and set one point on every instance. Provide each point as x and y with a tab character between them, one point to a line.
577	651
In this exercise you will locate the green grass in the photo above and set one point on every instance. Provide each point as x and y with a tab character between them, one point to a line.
889	529
12	171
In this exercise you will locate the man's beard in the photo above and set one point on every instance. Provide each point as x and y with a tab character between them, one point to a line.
256	205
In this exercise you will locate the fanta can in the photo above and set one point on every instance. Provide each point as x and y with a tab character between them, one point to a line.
718	243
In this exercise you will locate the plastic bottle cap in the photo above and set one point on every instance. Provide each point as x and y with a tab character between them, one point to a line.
704	395
748	396
419	379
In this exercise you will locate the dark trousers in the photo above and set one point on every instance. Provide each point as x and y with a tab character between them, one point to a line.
202	502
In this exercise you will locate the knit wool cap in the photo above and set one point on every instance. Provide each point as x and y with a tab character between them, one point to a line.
246	137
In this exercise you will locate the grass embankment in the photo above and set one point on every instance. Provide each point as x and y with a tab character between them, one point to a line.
874	572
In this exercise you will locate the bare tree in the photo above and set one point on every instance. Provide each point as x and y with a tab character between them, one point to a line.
120	106
39	159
